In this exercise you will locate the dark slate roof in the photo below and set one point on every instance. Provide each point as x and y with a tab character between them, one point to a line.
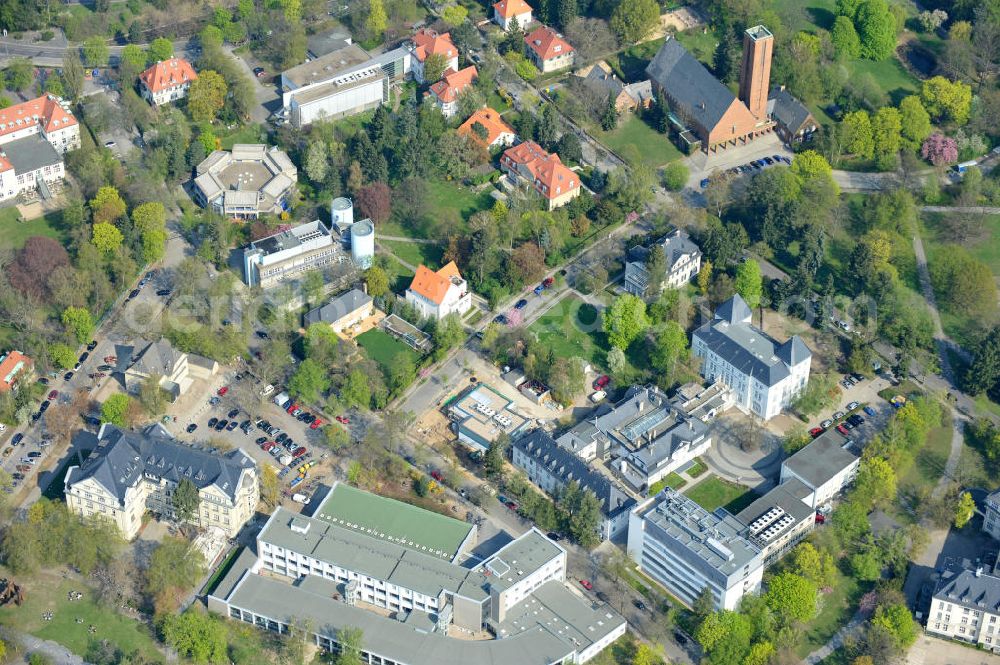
963	586
157	358
786	109
566	466
640	91
691	87
30	154
123	457
339	307
749	349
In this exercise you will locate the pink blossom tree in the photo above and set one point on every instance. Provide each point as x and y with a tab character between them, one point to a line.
939	149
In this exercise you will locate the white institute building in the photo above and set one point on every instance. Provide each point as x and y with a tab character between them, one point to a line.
33	137
438	294
764	375
167	81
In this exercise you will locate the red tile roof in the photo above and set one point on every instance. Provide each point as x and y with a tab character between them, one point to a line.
453	82
547	43
45	111
11	365
434	285
429	42
168	74
510	8
491	120
551	177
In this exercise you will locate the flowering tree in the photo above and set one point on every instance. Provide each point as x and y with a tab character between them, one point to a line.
939	149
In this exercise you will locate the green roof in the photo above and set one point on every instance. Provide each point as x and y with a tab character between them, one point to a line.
414	527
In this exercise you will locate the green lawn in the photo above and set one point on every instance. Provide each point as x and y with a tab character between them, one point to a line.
247	134
444	199
671	480
416	253
806	14
700	44
931	458
383	347
399	275
49	594
653	148
986	247
889	74
697	468
714	492
14	233
572	328
836	608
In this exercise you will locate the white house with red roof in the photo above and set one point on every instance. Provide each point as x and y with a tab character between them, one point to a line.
427	42
33	137
438	294
527	164
167	81
498	132
445	92
548	50
506	12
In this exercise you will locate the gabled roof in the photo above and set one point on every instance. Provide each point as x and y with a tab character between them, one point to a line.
12	364
158	358
552	177
168	74
547	43
434	285
452	83
786	109
47	111
509	8
491	121
691	87
734	310
970	588
428	42
339	307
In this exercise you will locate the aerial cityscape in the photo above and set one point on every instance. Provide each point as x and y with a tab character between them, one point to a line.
499	332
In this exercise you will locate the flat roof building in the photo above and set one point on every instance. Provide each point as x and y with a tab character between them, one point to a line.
289	253
826	466
482	414
781	518
246	182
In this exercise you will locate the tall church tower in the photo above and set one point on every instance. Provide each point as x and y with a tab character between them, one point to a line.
755	74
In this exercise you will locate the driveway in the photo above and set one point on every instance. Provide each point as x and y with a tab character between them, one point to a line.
930	650
268	99
702	165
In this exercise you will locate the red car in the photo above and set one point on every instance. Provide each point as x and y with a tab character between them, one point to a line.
316	424
299	452
292	407
343	420
602	381
512	505
820	518
548	281
586	584
267	446
53	394
436	475
815	431
842	430
223	390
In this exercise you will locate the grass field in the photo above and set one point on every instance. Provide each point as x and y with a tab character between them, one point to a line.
804	15
697	469
836	608
47	592
13	233
634	137
415	253
712	493
930	459
986	247
399	275
700	44
671	480
383	347
248	134
444	198
572	328
889	74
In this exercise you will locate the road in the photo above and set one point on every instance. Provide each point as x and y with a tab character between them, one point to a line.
266	94
51	54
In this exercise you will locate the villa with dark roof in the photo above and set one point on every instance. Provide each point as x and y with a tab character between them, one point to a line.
965	605
128	473
792	120
683	261
764	375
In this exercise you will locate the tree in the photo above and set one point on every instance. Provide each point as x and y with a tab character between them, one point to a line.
72	75
704	278
792	598
897	621
377	21
876	483
669	347
527	262
947	100
79	322
939	150
591	38
569	149
609	117
675	176
107	205
632	20
150	220
625	320
62	355
815	565
95	52
915	120
310	381
963	283
377	281
115	409
857	136
174	567
494	458
726	636
207	96
106	237
20	74
402	371
317	161
374	201
355	391
887	128
845	38
760	653
351	641
186	501
434	67
965	510
876	27
161	49
454	15
749	282
197	635
866	565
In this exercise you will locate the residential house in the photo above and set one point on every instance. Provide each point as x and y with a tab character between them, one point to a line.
793	121
494	131
826	466
600	78
682	263
33	137
703	105
548	50
445	92
481	415
129	473
176	370
343	312
528	165
14	368
427	42
991	511
507	12
167	81
764	375
47	116
438	294
965	605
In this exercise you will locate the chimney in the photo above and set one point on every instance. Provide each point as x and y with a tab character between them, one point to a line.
755	74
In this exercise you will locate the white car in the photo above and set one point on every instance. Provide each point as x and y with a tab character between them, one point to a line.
598	396
268	389
3	428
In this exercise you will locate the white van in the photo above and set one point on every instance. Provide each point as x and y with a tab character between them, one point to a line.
598	396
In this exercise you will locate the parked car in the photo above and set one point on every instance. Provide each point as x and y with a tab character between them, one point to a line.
34	454
870	411
538	290
42	380
222	391
838	415
816	431
521	304
192	427
268	446
163	292
316	424
67	376
343	420
548	282
233	413
587	584
133	294
501	319
856	420
842	429
826	424
639	605
221	425
299	452
601	382
212	422
552	535
853	405
259	72
281	437
16	439
232	425
436	475
704	183
53	394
